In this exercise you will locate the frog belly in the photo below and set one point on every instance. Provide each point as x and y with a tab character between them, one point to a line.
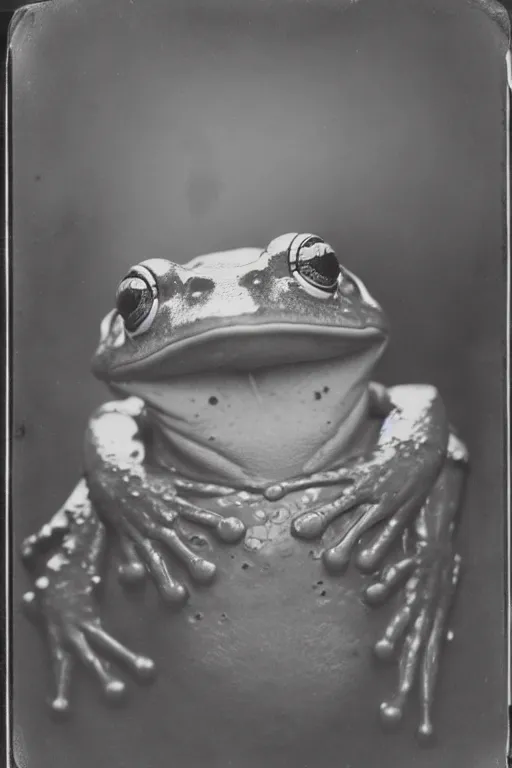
275	652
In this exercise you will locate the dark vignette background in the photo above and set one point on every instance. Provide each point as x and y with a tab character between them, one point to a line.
413	204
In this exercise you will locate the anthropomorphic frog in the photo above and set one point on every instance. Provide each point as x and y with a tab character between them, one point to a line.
247	375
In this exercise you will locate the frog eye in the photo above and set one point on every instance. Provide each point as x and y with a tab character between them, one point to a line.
137	300
314	265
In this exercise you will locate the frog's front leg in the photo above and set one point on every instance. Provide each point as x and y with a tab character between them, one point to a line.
411	483
387	485
145	504
429	573
64	602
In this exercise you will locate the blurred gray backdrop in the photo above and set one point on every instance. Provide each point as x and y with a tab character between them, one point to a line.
165	129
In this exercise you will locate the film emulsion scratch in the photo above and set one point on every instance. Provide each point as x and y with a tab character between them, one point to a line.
267	529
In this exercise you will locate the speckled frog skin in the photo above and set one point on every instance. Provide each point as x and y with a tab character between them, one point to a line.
246	417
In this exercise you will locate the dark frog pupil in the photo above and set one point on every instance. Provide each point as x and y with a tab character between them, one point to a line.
134	301
317	263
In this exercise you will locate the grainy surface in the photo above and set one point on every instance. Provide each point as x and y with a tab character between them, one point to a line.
140	133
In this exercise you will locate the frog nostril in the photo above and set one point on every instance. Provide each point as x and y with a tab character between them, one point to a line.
199	286
253	279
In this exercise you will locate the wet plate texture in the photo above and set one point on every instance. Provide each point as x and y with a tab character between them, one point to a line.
146	131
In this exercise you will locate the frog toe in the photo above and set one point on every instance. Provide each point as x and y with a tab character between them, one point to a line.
113	688
371	556
391	578
386	647
141	666
392	710
62	663
313	523
80	641
173	593
131	571
230	530
416	633
432	654
309	525
202	571
337	557
29	604
60	707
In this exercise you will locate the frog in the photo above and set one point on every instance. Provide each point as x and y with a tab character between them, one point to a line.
248	374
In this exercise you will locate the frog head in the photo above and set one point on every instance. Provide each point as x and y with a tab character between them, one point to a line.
253	363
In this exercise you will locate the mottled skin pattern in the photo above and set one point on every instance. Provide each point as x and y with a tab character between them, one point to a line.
254	331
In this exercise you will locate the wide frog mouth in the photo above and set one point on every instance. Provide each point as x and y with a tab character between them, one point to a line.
244	347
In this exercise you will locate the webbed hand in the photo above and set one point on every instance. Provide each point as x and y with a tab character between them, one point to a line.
390	484
412	481
144	505
428	574
64	602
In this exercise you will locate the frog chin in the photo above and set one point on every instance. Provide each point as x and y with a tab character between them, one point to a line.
250	428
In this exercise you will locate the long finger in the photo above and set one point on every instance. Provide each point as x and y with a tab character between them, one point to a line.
171	591
414	645
337	558
113	688
430	665
392	711
385	648
201	570
62	663
201	489
329	477
372	555
392	577
142	666
132	569
311	525
228	529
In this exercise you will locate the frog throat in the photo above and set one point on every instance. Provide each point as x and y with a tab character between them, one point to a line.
249	428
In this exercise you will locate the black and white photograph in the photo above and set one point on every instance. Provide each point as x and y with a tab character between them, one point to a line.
257	465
